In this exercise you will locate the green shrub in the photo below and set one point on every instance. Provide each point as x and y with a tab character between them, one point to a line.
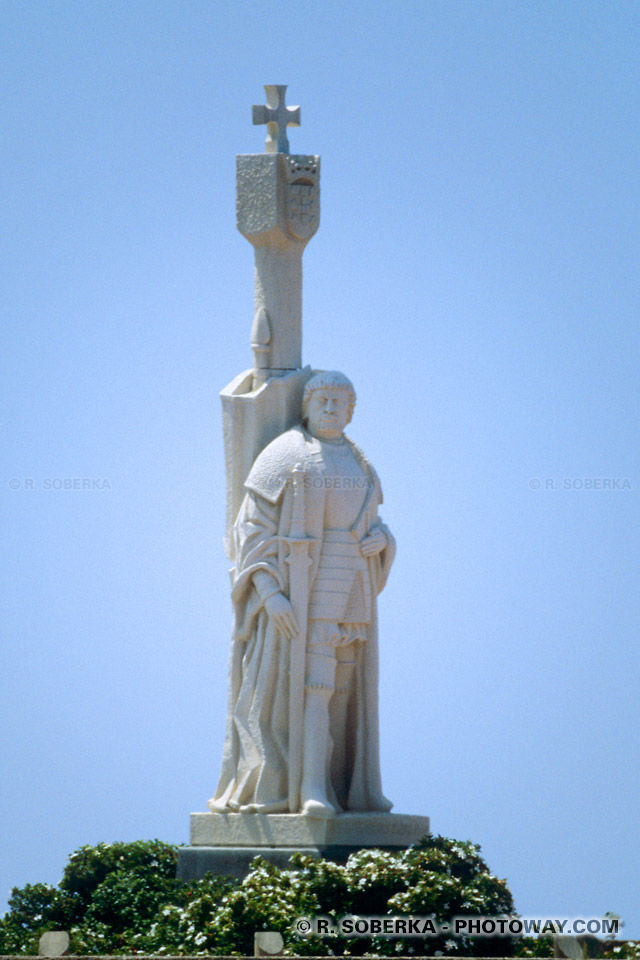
105	890
184	925
32	910
41	905
439	878
89	866
124	898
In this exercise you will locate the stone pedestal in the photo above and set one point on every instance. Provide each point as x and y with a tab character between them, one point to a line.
227	843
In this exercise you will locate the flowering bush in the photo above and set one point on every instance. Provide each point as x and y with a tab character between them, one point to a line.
107	894
89	866
123	898
33	909
438	878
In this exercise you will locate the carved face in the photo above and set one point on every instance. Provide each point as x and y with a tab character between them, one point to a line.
329	410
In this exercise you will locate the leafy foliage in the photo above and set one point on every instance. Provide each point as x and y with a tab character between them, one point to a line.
629	950
439	878
107	893
89	866
123	898
34	909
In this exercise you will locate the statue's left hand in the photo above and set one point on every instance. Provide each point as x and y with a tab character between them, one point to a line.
374	543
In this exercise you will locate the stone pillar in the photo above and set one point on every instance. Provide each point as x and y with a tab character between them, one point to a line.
278	211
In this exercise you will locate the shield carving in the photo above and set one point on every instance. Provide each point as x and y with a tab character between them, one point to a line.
302	209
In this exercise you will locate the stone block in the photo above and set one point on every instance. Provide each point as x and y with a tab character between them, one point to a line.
53	943
355	830
268	943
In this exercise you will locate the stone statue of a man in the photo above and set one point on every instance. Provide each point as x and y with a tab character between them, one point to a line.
351	552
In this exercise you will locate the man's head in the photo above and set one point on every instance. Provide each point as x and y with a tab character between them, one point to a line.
327	404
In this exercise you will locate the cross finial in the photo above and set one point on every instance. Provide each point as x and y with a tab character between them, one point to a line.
277	117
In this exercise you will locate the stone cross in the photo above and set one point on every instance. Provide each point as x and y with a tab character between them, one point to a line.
277	117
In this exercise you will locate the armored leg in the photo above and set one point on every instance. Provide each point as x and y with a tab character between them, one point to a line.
317	744
341	721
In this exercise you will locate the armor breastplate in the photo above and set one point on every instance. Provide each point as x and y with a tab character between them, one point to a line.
341	591
345	484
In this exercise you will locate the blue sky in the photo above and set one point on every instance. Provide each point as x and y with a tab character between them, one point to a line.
475	274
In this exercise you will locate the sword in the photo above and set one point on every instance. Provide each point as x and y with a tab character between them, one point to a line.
299	562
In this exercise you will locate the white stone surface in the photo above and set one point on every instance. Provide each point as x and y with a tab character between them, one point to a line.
268	943
298	830
278	211
251	418
277	117
568	947
53	943
310	554
309	560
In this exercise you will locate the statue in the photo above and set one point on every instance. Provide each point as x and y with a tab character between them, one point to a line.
310	556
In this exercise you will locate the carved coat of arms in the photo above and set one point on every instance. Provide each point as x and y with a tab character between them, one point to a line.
302	206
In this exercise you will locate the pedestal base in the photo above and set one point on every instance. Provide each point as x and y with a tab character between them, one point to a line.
227	843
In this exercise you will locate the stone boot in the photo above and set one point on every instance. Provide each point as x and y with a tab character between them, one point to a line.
316	751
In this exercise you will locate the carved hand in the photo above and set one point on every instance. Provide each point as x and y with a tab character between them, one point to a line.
281	615
374	543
